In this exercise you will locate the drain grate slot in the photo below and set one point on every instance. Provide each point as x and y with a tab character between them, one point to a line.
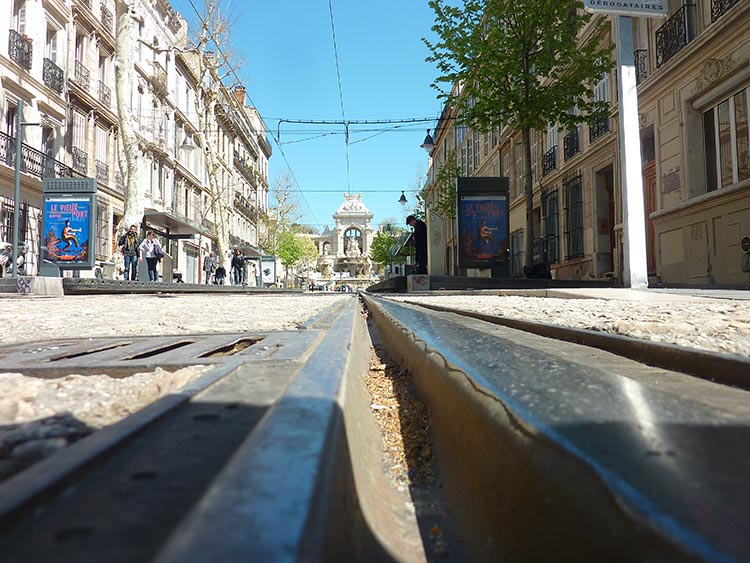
160	350
231	349
89	351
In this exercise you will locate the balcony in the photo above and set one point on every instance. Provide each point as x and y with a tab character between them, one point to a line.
571	146
119	182
598	128
20	49
86	3
102	172
82	76
33	162
107	19
247	171
673	36
640	56
721	7
53	76
549	161
247	208
80	160
105	94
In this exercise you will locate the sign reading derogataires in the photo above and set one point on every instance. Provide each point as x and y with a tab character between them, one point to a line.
647	8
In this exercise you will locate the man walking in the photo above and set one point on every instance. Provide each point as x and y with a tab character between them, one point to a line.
128	245
238	267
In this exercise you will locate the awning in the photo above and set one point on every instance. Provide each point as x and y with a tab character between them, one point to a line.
172	224
249	251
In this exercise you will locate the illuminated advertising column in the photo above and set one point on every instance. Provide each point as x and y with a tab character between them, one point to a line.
68	232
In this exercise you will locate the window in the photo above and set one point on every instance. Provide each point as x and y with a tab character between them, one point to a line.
727	140
19	16
79	130
551	224
573	188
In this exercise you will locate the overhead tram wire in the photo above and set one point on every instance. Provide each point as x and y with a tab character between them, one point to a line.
341	96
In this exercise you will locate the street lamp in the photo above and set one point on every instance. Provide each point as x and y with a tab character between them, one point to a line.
17	188
402	199
428	144
188	144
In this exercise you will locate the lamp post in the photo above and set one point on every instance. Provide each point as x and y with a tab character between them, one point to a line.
17	188
428	144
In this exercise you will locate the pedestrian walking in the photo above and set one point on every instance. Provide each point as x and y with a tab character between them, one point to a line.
238	267
221	273
209	265
420	243
252	274
151	250
128	245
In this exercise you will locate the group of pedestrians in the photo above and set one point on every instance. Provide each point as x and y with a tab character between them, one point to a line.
135	251
216	273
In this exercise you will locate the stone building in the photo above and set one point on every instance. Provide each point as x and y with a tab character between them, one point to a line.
61	68
344	250
693	72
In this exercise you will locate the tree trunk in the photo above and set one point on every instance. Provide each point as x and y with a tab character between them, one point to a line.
125	48
529	191
218	193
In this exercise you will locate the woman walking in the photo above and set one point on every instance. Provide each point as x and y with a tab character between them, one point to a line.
152	252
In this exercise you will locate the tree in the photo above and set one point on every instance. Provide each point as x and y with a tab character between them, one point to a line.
293	249
380	249
215	63
283	215
125	49
523	63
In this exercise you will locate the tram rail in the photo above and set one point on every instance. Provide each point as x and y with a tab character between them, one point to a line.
547	449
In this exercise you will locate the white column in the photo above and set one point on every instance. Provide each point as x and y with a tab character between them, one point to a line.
635	269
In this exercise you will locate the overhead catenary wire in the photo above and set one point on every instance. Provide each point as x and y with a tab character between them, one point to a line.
341	93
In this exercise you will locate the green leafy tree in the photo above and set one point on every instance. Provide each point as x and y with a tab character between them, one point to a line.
524	63
381	246
293	249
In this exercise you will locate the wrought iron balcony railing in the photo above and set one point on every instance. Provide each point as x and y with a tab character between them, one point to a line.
82	76
571	146
20	49
105	94
107	19
102	172
86	3
641	65
598	128
246	170
33	162
549	160
53	76
674	35
119	182
80	160
721	7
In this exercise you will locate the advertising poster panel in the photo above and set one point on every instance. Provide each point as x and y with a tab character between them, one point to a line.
483	224
268	270
67	231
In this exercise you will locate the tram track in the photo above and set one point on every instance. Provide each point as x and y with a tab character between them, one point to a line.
546	448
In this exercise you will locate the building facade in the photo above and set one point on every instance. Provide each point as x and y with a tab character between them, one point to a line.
63	73
693	72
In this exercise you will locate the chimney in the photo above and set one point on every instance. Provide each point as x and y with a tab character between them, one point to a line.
239	92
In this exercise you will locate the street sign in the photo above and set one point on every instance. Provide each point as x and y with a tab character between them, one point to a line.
645	8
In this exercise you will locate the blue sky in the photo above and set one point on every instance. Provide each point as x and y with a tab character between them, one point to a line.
290	73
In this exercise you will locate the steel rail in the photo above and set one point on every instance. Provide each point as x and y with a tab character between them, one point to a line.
553	450
727	369
252	462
